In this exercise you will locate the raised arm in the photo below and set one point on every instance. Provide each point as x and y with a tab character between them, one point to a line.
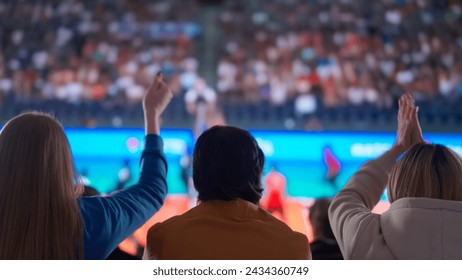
155	101
109	220
350	212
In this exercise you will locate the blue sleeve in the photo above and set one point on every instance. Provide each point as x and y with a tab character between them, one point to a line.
109	220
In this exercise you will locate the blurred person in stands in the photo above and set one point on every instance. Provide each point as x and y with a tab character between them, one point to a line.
43	214
124	175
201	102
186	177
425	191
228	223
275	188
324	245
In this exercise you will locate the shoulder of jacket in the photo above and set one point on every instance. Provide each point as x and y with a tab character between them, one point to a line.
160	227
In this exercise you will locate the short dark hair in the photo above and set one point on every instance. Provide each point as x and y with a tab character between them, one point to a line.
228	164
319	219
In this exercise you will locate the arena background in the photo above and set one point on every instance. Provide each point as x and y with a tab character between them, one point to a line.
315	81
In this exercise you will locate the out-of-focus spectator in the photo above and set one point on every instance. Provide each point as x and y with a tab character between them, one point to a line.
201	101
275	184
324	246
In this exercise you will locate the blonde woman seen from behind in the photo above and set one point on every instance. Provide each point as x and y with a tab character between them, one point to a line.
425	192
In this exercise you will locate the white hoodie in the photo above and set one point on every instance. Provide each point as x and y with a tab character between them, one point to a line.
413	228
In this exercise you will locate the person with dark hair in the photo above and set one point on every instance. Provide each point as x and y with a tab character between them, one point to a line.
324	245
42	212
228	223
228	164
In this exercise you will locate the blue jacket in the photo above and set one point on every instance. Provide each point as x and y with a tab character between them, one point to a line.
109	220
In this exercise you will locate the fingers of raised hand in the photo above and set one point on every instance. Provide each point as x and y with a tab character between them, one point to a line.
406	105
164	89
401	105
403	108
159	88
158	80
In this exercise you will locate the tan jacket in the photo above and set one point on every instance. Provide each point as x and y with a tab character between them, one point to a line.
225	231
413	228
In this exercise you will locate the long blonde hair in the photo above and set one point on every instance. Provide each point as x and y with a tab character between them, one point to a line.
427	170
39	214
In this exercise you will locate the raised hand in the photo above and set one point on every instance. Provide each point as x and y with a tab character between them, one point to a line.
155	101
409	131
416	133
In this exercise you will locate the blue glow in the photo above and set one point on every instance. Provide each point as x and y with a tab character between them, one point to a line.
298	155
103	142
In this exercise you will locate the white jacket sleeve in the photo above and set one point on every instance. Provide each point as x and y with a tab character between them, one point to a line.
354	226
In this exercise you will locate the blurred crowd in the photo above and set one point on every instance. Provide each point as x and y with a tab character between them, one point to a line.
319	54
101	52
277	59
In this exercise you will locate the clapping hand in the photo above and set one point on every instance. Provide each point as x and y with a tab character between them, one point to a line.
409	132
